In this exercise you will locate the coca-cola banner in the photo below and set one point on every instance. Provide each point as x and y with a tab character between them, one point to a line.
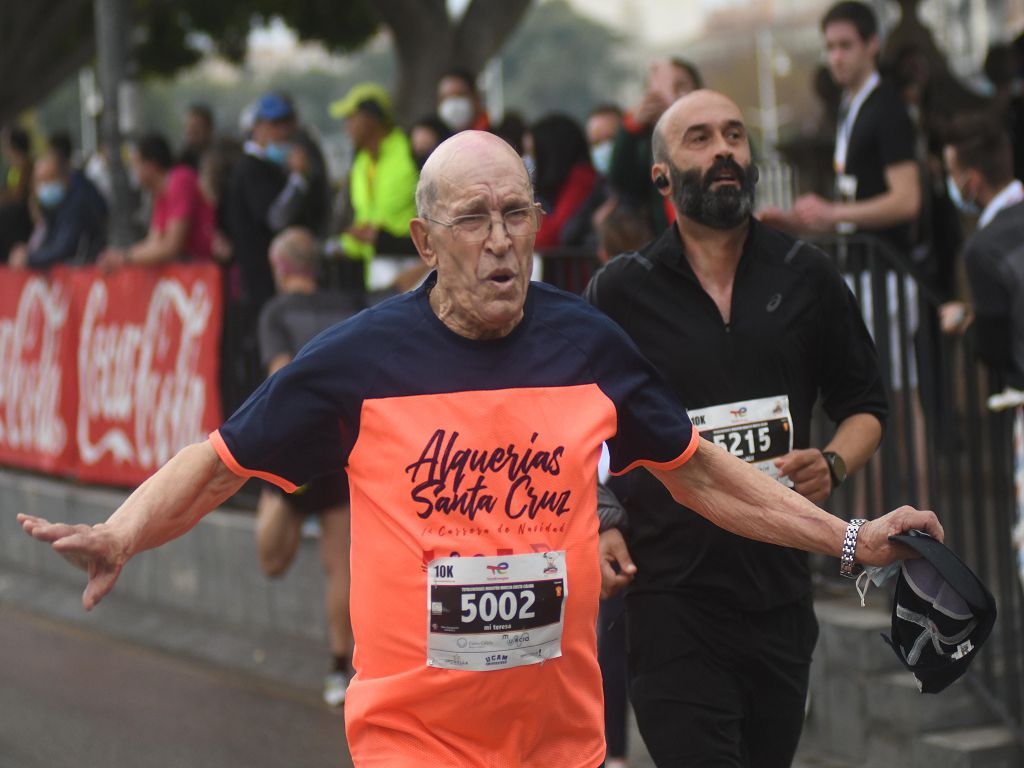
105	378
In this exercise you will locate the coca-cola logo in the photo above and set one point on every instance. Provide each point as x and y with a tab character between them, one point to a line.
30	370
141	396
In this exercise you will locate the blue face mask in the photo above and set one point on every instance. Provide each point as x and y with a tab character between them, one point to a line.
601	157
50	194
966	206
277	153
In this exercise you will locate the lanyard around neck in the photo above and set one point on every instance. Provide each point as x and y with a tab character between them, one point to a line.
848	119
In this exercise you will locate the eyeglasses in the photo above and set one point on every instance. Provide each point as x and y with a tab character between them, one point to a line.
476	228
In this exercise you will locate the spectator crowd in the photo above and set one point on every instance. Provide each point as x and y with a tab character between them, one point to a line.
263	208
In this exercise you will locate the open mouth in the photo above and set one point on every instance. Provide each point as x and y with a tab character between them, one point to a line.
500	277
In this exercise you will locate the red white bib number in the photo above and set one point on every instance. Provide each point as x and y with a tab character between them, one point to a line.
757	431
487	613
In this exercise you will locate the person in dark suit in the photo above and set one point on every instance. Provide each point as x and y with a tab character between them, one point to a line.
979	158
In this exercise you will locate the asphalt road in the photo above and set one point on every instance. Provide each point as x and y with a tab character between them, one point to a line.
73	698
70	698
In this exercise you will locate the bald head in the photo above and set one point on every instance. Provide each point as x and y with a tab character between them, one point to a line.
468	183
458	160
696	108
295	252
702	161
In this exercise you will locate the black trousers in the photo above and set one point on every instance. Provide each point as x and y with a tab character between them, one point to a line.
717	688
611	655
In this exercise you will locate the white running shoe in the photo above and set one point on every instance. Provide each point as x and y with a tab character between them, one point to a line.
335	687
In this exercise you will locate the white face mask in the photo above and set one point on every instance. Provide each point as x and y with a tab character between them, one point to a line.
457	112
601	156
970	207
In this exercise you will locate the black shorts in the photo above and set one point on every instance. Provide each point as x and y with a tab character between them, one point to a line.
319	494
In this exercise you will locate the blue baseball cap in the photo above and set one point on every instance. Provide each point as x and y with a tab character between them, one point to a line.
273	106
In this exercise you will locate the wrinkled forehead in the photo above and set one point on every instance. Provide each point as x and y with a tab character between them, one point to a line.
697	114
703	110
487	178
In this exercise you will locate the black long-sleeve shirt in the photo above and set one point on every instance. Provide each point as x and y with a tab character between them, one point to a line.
256	184
796	330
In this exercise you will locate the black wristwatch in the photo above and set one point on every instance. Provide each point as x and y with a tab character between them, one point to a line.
836	468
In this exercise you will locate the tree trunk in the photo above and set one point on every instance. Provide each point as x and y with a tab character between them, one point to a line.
428	44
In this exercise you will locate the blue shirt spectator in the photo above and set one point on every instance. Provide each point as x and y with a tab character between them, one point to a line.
73	224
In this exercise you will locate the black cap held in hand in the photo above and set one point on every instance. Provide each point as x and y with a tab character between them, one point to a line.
941	615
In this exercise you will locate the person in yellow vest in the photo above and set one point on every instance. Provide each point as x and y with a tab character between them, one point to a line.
382	187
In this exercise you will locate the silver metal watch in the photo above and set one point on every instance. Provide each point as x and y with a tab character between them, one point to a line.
847	566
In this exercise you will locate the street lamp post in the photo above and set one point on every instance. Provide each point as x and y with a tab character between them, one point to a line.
112	56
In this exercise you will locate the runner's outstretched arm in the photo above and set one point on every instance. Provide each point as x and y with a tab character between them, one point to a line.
164	507
735	496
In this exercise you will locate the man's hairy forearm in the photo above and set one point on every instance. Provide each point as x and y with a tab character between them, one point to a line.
174	499
737	497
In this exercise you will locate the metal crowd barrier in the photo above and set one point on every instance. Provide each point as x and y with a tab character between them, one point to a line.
943	449
568	268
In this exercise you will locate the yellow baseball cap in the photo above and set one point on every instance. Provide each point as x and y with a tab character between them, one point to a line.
369	96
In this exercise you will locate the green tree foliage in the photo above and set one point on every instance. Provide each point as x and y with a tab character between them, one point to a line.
41	45
174	34
536	79
44	43
561	61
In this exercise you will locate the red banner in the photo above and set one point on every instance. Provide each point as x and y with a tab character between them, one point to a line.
106	378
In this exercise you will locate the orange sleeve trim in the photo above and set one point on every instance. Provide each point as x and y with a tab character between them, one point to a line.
681	459
217	441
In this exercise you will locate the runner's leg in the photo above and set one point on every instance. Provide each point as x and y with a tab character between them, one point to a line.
334	551
684	683
278	531
777	676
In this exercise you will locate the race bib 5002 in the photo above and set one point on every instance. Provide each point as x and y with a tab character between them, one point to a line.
487	613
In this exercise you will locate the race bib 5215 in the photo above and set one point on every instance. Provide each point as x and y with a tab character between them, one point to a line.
757	431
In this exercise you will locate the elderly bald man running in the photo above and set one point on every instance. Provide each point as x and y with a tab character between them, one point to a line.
469	415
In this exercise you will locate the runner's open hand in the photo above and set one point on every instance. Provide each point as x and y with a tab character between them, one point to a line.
95	549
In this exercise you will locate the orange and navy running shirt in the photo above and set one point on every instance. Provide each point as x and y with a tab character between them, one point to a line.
456	447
